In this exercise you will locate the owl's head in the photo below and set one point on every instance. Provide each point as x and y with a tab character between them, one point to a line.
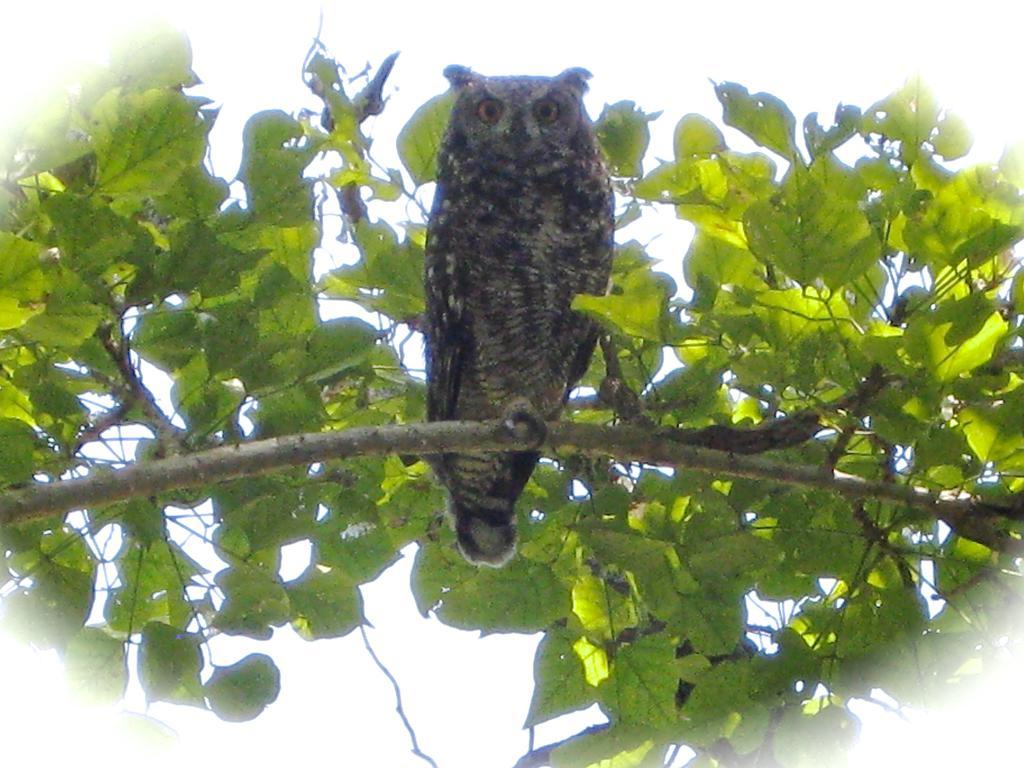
525	120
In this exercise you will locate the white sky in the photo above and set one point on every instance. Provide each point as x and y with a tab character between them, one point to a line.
467	696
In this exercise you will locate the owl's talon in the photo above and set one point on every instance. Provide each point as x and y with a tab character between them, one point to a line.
524	422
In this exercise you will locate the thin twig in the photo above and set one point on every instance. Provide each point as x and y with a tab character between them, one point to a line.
398	698
135	393
102	423
614	391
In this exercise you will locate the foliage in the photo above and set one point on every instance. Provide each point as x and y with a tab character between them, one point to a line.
726	614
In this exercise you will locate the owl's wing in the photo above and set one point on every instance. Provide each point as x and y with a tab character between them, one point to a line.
446	331
584	333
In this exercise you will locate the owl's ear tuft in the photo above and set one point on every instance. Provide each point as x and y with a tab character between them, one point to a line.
459	76
575	78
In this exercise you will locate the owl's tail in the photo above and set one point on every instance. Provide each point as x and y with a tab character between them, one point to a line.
486	533
482	493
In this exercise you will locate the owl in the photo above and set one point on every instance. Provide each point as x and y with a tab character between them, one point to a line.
522	221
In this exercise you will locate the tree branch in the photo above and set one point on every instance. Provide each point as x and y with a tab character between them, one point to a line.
665	447
135	394
784	432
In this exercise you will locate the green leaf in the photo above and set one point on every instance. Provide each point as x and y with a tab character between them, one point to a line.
710	620
811	740
639	691
524	596
908	116
815	533
994	432
165	337
273	166
1011	164
712	263
153	578
653	564
952	139
820	142
53	610
559	685
638	300
884	613
696	136
206	403
694	390
926	341
169	664
261	513
420	139
291	411
254	601
96	666
336	346
761	116
62	325
97	244
145	141
812	232
730	555
22	280
198	259
388	278
15	313
330	86
157	56
324	603
623	133
621	746
721	699
971	214
198	194
244	689
18	451
143	519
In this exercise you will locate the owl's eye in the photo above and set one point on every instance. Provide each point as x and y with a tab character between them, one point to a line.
546	111
489	111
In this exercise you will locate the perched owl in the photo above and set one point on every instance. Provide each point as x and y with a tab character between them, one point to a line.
522	221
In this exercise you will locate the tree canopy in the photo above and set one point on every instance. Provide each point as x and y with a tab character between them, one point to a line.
792	481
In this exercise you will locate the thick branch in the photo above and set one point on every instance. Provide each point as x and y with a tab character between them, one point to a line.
676	448
664	447
245	459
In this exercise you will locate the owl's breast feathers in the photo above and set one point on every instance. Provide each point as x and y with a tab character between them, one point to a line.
502	271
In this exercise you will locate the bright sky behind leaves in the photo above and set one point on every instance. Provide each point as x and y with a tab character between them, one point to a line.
465	696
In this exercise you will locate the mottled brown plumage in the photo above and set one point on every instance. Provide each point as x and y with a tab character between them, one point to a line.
522	221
